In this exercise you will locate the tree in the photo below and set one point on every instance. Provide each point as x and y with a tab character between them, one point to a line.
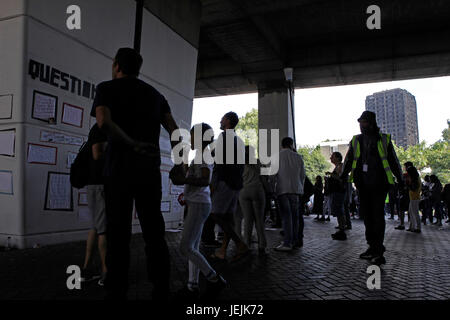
417	154
315	162
247	128
439	160
435	157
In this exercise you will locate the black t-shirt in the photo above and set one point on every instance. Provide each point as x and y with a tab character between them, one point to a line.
96	166
138	109
230	173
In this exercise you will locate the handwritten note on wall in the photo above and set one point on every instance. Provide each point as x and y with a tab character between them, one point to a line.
41	154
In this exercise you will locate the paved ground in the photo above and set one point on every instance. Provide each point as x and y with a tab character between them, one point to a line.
418	267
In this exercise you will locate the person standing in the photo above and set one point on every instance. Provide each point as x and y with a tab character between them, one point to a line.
404	198
131	113
337	196
225	185
436	190
96	204
318	199
372	163
414	185
426	200
198	203
252	200
290	180
446	200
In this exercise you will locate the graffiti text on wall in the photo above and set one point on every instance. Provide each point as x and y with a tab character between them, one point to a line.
60	79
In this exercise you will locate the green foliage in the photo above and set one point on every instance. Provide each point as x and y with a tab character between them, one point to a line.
436	156
439	160
247	128
315	162
417	154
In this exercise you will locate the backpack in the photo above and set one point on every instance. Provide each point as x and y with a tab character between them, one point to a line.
79	171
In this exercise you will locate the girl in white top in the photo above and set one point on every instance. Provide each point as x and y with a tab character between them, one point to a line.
198	202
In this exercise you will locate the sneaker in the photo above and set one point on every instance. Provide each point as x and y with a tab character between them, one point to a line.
282	247
409	229
101	281
187	295
340	235
417	231
400	227
378	260
367	255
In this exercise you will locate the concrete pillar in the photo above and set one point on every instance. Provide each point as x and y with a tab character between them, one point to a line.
47	78
275	111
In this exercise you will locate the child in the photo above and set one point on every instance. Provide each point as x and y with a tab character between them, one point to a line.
198	202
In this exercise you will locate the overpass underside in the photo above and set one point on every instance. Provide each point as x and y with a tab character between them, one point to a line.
244	45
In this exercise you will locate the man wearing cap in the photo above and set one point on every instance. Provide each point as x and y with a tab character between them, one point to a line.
372	164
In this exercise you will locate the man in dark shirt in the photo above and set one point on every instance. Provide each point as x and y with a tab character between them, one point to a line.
226	182
372	161
131	111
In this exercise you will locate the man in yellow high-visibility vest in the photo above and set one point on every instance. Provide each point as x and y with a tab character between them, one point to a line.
372	164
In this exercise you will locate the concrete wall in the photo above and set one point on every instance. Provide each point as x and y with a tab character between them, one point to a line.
35	30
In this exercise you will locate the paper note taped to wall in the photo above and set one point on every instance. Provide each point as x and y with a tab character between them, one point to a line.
57	137
72	115
41	154
59	192
7	142
44	106
6	182
6	104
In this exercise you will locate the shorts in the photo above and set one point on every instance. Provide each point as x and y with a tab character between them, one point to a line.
96	205
224	199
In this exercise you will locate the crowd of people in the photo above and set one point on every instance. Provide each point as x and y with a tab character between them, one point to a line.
231	198
430	201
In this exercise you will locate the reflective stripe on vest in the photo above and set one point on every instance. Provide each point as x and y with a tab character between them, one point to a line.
382	151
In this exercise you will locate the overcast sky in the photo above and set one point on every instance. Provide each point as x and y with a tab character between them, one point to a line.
331	112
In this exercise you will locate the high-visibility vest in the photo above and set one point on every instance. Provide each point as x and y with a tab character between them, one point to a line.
382	151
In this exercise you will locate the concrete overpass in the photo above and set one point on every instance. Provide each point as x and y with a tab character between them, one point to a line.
244	45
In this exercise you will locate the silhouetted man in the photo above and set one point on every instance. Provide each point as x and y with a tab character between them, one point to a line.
131	112
372	164
225	185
